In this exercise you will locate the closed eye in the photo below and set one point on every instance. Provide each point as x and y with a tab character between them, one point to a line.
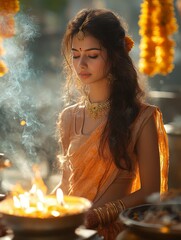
93	56
75	57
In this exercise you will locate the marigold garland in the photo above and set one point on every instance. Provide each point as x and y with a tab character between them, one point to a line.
9	6
8	9
157	24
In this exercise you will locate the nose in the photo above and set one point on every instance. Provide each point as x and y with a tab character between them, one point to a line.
83	62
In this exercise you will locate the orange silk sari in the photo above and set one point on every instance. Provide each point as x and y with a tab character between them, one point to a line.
85	165
89	176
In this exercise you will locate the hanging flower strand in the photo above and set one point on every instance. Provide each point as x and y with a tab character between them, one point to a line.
157	25
8	9
147	45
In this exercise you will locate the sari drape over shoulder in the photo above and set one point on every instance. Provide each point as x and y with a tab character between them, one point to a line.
88	175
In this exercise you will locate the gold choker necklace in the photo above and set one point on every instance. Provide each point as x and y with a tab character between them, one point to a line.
97	110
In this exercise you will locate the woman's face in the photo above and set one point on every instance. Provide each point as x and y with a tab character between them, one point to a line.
89	60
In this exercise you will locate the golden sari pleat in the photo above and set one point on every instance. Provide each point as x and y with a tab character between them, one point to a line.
87	166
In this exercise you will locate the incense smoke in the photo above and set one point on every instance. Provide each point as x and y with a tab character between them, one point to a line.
23	130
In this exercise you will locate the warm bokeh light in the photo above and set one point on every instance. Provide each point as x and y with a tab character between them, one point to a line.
8	9
23	123
3	68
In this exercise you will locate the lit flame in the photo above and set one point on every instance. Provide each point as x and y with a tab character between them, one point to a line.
59	195
37	203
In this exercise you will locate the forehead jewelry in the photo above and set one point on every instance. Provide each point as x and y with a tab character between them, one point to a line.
81	34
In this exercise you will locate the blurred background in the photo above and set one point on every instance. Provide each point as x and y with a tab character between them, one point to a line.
31	95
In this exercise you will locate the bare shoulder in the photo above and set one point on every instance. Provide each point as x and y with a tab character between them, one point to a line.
148	125
148	135
146	128
148	109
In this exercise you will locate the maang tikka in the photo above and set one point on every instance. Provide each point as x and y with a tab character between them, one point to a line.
81	33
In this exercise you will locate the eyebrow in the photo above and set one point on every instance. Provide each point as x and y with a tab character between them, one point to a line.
89	49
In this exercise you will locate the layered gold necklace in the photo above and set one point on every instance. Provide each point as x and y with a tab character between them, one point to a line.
97	110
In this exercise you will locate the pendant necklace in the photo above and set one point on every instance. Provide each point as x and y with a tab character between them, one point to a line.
97	110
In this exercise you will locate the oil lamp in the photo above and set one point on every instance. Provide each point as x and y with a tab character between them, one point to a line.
36	212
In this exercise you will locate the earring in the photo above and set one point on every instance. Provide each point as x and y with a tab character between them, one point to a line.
110	78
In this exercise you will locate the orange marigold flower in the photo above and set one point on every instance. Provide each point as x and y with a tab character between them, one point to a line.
147	68
9	6
129	43
3	68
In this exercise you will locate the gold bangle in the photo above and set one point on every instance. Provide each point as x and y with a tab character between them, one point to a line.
97	213
108	215
115	207
113	211
101	214
109	212
121	204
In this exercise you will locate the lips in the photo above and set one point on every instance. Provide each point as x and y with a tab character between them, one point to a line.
84	75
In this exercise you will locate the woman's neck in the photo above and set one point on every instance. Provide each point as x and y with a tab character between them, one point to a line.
99	94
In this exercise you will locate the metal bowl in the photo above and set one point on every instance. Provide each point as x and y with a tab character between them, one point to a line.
134	218
35	225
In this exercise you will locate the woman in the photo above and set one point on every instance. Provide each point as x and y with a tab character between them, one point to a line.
114	145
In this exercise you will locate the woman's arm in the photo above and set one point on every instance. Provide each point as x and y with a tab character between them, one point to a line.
147	150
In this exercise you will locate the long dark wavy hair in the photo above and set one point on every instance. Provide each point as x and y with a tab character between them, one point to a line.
126	94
